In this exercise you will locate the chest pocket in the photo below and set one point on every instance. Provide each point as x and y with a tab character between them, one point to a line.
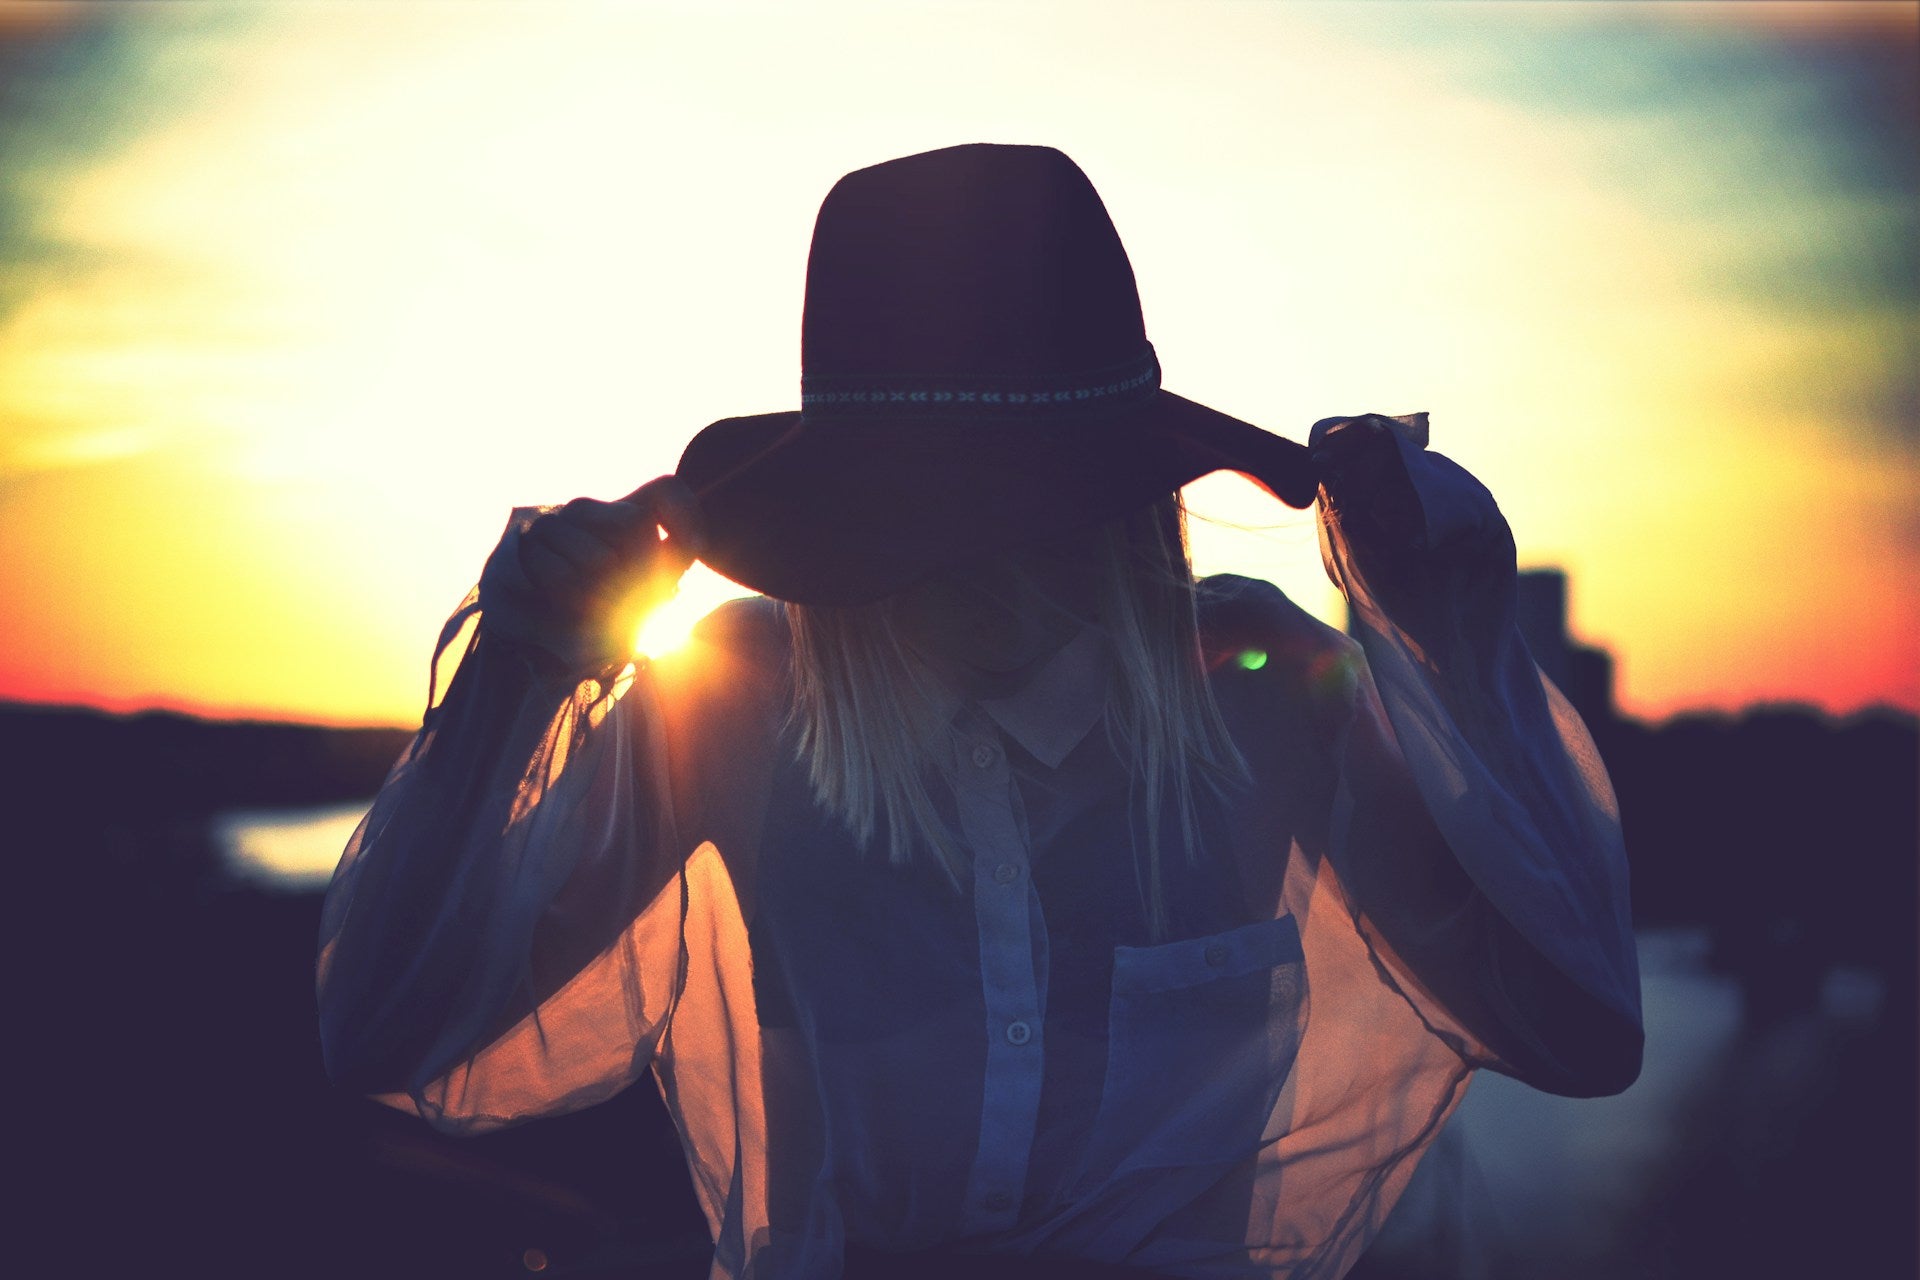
1202	1035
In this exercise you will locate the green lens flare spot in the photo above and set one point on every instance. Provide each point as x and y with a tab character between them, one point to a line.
1252	659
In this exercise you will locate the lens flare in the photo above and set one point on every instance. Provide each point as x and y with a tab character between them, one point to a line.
670	624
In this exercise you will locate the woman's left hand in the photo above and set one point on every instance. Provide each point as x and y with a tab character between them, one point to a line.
1364	480
1425	538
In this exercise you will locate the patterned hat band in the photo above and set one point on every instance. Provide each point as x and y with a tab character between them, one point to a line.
1097	389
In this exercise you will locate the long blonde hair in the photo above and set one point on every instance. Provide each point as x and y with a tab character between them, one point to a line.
874	718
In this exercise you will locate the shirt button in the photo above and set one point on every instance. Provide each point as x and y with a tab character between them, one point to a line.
999	1201
1006	873
1217	954
1018	1033
983	755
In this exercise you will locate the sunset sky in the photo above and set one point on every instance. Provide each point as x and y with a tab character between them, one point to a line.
297	300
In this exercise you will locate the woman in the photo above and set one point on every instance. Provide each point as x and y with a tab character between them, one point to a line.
1001	892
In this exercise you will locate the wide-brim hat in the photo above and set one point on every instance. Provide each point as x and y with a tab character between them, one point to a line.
975	374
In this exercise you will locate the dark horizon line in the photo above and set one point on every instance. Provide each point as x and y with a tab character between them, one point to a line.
12	706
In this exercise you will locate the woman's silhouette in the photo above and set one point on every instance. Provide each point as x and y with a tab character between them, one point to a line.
992	888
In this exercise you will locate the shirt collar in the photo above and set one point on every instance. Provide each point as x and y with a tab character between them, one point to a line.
1053	711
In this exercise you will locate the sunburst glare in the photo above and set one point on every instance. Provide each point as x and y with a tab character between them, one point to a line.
669	625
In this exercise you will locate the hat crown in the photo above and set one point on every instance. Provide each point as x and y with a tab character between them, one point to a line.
975	375
974	262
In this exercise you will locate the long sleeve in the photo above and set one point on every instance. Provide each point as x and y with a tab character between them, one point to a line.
1476	823
513	887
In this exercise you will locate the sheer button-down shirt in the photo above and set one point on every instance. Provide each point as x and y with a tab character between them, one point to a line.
561	889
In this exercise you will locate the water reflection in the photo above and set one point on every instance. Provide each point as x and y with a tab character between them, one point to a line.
290	850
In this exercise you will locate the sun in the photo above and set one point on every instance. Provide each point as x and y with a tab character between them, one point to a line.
670	624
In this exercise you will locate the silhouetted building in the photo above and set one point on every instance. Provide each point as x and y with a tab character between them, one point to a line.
1583	673
1542	613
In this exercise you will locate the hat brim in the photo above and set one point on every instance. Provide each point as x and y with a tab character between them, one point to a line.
825	514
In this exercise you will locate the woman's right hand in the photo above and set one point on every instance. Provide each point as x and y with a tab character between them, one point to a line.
572	581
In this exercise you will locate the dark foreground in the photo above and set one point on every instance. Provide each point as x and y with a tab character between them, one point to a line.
182	1125
173	1117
